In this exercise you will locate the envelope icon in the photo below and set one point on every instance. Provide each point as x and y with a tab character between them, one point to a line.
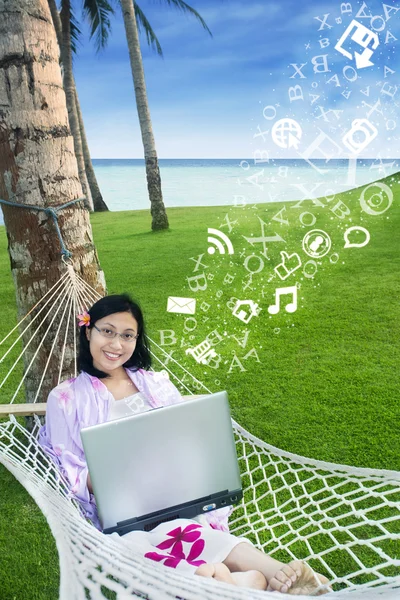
185	306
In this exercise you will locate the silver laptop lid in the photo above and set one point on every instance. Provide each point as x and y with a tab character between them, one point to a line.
161	458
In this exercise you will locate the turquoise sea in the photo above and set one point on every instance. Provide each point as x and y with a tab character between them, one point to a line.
212	182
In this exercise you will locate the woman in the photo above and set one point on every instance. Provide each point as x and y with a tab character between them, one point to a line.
114	381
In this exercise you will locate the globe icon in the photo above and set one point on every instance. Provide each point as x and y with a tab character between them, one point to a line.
286	133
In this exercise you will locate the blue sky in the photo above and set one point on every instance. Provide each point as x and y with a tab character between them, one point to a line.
207	95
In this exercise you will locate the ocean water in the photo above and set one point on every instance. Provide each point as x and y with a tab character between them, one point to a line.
213	182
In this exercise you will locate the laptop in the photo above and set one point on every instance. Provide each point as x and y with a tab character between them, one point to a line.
171	462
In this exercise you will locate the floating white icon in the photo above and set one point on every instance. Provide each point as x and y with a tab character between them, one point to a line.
184	306
362	36
316	243
290	263
349	244
202	353
361	134
252	310
290	307
378	202
286	133
217	242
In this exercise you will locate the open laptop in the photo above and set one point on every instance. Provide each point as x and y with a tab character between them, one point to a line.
171	462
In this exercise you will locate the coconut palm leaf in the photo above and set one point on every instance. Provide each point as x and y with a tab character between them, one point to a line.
97	12
144	24
185	8
76	34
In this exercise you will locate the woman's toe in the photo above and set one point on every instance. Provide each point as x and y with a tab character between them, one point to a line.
308	581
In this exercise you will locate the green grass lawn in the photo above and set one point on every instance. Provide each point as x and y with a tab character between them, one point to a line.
321	382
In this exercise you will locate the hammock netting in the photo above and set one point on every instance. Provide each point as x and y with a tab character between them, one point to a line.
343	521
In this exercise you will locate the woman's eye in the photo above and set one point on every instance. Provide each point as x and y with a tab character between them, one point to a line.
128	336
107	330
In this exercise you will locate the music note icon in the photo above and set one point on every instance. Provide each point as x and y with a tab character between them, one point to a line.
290	306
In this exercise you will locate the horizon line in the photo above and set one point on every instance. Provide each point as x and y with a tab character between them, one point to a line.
250	159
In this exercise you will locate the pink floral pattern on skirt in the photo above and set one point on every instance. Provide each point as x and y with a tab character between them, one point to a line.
191	534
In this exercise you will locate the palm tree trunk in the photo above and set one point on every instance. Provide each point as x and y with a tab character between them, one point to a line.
66	57
98	202
38	167
159	215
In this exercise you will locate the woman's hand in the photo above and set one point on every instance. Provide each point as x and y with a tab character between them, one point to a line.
89	484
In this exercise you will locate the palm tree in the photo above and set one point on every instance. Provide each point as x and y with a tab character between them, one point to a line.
38	168
69	87
159	215
98	12
135	21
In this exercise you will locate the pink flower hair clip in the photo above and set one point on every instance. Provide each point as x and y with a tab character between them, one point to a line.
84	319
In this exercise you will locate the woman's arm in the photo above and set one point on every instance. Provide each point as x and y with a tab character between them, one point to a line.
59	438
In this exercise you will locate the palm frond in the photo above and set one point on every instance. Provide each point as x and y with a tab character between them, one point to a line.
97	12
76	34
142	22
185	8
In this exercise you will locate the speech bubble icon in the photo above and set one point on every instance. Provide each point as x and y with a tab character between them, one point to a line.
357	228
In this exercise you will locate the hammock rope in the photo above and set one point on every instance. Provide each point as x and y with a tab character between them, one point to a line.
50	211
343	521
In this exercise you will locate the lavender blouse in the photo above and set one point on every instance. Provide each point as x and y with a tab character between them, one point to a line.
83	401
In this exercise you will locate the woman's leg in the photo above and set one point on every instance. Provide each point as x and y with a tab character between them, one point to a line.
294	577
245	557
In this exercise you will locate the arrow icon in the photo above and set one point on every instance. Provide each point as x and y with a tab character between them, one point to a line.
293	141
362	36
362	60
282	134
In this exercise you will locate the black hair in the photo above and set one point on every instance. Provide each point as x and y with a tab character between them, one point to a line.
116	303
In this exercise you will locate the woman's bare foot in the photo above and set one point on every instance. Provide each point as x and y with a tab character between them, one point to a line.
298	578
220	572
217	571
250	579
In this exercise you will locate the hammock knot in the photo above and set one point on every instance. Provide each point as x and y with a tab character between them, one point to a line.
51	211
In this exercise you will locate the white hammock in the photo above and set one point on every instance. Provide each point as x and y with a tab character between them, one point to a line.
343	521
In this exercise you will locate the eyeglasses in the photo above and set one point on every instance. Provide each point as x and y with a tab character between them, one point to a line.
108	333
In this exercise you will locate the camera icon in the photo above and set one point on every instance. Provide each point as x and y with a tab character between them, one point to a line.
361	134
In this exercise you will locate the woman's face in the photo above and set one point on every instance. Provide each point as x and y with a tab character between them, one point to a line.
109	354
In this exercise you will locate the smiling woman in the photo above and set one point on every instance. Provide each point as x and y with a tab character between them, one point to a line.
114	359
118	342
109	344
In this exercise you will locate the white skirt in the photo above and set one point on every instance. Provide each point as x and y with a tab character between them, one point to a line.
182	544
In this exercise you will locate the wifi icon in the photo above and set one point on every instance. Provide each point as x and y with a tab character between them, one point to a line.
218	243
